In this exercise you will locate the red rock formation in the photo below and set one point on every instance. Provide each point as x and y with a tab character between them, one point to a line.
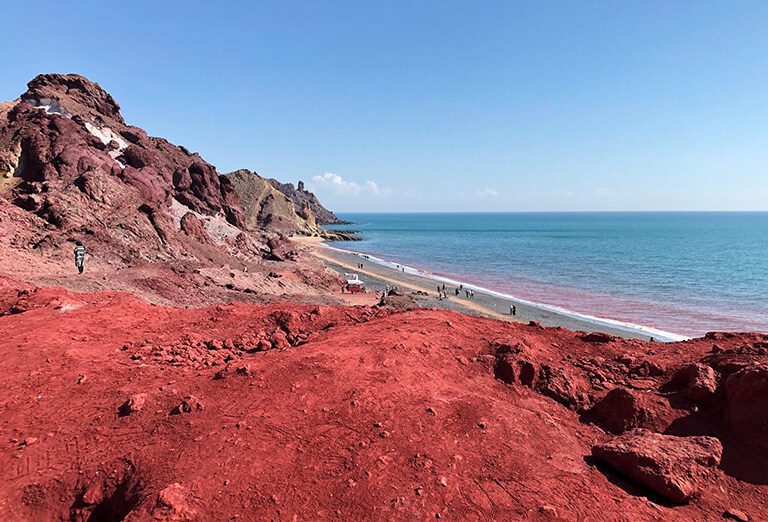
674	467
66	126
621	410
193	227
71	168
301	198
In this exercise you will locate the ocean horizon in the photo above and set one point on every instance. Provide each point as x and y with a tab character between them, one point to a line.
685	272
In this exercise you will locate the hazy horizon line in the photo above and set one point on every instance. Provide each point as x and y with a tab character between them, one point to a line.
551	212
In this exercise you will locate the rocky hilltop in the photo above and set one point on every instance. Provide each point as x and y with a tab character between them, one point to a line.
72	168
303	199
268	208
65	132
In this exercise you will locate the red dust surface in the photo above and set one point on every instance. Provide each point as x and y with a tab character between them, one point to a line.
113	408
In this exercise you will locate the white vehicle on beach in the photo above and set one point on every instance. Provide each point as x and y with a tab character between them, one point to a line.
354	284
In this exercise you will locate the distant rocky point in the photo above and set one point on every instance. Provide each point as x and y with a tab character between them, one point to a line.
271	205
302	197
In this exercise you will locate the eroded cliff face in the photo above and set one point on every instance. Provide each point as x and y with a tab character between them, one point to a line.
266	207
301	198
66	131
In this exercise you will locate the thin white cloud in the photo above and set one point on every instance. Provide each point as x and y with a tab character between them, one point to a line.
486	193
337	183
373	187
342	187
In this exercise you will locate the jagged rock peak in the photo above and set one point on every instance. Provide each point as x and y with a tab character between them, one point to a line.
299	195
76	94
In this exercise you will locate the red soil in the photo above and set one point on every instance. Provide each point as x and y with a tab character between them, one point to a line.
303	412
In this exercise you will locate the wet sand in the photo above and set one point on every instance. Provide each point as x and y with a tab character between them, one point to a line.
377	276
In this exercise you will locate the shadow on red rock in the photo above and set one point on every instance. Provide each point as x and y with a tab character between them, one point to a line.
743	463
628	486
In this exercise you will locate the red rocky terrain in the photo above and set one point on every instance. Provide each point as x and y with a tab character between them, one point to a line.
114	408
201	368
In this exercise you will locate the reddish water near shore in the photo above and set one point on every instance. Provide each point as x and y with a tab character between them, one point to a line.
678	319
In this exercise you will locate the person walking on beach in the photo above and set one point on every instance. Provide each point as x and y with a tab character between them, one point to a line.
79	256
514	310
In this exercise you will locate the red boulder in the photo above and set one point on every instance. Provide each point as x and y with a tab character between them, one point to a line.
620	410
674	467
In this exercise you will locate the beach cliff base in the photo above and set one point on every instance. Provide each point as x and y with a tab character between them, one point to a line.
114	409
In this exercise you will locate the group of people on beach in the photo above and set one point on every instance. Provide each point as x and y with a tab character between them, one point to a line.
387	290
442	292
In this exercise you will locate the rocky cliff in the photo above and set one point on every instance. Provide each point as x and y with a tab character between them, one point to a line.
264	206
65	133
72	168
302	199
268	208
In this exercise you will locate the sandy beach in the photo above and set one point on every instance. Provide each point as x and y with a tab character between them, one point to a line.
378	273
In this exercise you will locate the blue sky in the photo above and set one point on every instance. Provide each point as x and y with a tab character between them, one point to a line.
435	105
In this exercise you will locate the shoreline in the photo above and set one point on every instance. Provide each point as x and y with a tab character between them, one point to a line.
487	301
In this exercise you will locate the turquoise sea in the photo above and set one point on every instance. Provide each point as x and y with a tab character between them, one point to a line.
683	272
